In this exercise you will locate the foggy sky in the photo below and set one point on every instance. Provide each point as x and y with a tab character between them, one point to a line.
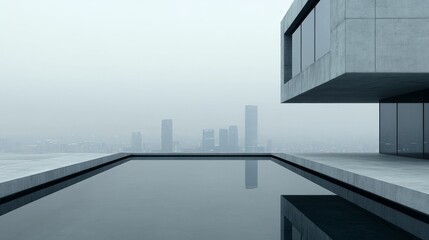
104	67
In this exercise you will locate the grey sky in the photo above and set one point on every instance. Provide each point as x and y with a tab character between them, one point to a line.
100	67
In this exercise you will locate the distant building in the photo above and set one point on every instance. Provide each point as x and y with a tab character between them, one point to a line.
269	147
233	139
223	140
136	142
167	135
176	146
208	141
251	128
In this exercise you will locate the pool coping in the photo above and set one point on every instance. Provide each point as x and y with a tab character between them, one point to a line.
379	186
408	197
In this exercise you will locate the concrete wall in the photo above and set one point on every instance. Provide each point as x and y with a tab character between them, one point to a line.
367	36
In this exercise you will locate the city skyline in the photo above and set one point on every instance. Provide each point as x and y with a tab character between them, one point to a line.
220	137
102	90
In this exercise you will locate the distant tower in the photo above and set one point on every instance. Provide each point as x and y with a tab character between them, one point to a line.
136	142
167	135
208	142
233	139
251	128
223	140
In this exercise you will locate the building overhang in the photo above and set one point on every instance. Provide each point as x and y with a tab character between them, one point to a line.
356	88
378	49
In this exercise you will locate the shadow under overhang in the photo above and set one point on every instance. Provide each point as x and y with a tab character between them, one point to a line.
362	88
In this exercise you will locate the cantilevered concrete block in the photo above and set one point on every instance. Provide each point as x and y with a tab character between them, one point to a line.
377	49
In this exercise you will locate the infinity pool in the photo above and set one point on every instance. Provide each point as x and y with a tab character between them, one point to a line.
173	199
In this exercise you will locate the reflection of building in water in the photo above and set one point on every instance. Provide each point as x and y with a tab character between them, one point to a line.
251	174
332	217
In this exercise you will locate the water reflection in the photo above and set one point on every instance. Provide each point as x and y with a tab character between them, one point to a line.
8	204
332	217
399	216
251	174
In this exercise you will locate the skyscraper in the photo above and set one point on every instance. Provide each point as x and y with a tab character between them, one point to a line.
167	135
251	128
233	139
208	141
223	140
136	142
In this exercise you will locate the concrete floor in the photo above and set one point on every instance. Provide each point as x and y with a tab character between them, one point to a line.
24	171
400	179
13	166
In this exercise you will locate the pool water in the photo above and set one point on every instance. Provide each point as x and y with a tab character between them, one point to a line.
165	199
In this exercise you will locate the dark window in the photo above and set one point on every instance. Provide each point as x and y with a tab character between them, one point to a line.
323	28
296	52
388	127
311	40
410	125
307	40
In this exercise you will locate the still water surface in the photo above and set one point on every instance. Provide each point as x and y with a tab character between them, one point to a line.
166	199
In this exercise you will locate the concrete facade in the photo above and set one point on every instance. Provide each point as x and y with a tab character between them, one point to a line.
378	49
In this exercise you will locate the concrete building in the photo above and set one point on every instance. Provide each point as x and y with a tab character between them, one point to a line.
223	140
136	142
208	141
167	135
233	139
251	129
362	51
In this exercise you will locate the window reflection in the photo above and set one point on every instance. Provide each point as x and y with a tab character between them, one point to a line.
307	41
323	28
296	52
426	124
410	125
388	126
311	40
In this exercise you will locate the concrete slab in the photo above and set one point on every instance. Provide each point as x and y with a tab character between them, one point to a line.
399	179
21	172
378	49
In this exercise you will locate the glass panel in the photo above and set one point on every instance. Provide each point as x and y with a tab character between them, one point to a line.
388	128
308	40
296	52
323	28
410	125
426	124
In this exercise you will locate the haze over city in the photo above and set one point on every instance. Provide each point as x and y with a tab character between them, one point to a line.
99	70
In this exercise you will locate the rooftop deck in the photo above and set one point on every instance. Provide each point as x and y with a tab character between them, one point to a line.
399	179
